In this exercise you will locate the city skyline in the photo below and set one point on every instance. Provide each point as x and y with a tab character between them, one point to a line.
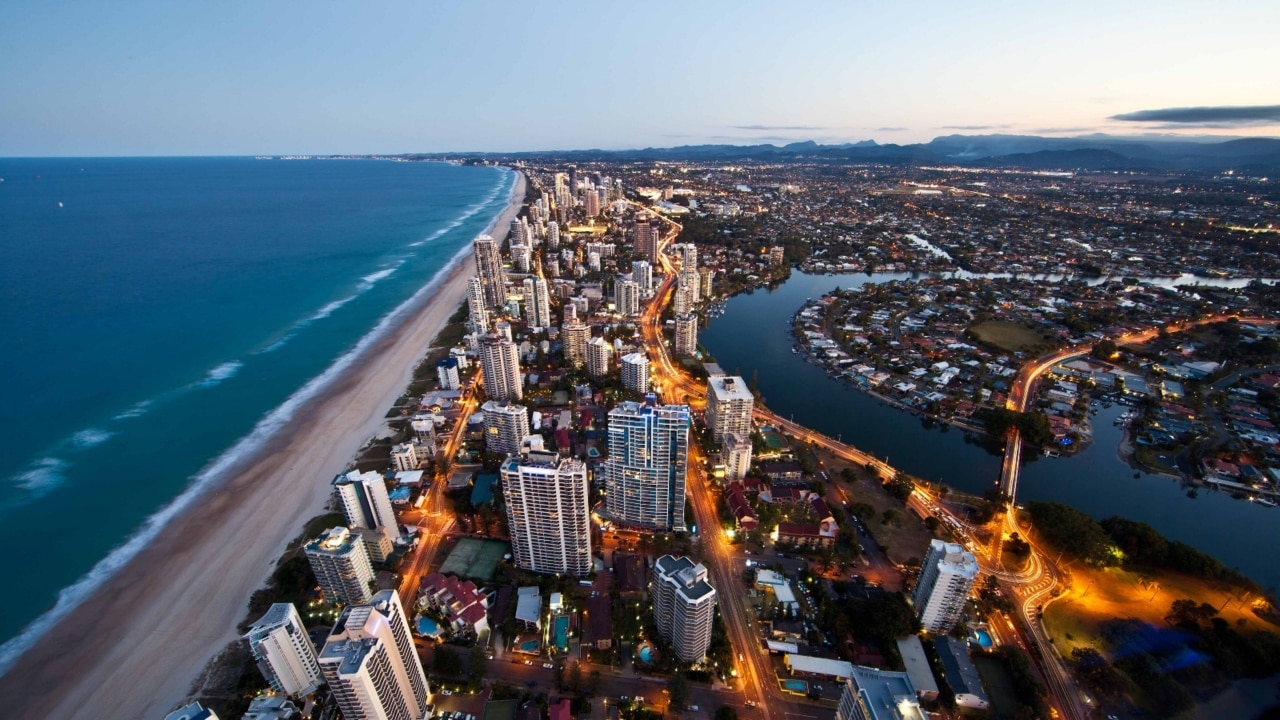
148	79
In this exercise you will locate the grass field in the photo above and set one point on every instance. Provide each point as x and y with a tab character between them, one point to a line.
1100	595
903	539
473	558
1009	336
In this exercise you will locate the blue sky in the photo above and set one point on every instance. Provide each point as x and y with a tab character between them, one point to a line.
240	77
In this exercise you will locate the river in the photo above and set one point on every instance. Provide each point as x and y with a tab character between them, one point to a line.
752	338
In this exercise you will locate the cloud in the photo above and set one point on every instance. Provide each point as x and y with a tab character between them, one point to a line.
1225	116
975	127
777	127
892	129
1060	130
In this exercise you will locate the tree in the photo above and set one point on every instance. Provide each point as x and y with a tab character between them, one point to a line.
446	660
575	677
726	712
679	689
477	664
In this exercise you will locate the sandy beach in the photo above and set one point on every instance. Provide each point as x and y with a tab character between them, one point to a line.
133	649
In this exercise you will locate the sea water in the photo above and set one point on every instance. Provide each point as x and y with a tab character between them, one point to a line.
161	317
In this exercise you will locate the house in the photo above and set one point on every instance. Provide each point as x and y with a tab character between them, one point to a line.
529	608
464	606
805	534
599	615
744	516
960	674
781	469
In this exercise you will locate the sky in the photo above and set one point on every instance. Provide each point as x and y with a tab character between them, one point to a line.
235	77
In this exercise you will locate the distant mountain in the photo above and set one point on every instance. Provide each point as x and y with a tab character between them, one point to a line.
1090	152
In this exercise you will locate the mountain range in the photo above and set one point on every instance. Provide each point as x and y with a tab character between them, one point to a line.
1091	152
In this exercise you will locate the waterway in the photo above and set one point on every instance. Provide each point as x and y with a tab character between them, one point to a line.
752	338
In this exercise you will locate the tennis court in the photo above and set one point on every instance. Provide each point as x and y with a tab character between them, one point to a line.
474	558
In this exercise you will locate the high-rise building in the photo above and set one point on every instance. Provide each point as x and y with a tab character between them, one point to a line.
776	255
684	606
635	372
599	354
521	256
688	254
642	275
547	511
591	203
371	665
500	367
686	339
646	239
871	694
505	425
684	299
628	298
644	474
367	506
946	576
553	235
279	643
736	451
537	303
576	338
477	313
706	278
341	565
489	269
447	373
729	406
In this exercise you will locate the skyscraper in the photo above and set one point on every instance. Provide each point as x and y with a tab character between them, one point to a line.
729	406
946	576
341	565
547	511
371	665
520	257
489	269
684	606
505	425
635	372
367	506
477	314
682	304
591	203
686	339
645	472
737	456
284	653
628	298
553	235
537	303
646	239
599	354
706	279
500	367
576	338
642	275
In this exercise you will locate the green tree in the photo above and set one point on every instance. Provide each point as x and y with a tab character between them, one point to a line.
477	665
726	712
678	687
446	661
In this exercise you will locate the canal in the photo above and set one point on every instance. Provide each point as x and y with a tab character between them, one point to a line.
752	338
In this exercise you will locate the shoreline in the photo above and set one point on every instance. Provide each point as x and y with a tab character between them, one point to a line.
133	648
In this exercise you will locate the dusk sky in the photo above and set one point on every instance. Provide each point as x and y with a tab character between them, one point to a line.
217	78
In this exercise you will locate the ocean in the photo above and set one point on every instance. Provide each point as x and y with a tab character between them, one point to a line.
163	316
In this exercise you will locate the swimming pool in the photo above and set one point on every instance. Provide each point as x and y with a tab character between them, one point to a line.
530	646
796	686
983	637
646	653
592	452
562	632
427	626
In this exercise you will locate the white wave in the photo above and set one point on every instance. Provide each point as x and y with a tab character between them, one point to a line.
329	309
467	214
138	410
91	437
42	475
70	597
223	372
372	278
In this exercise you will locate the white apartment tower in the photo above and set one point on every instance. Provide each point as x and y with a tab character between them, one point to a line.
689	282
946	576
553	235
537	303
635	372
367	507
628	298
489	269
547	511
599	353
520	257
737	456
505	425
371	665
341	565
576	338
477	313
283	651
500	367
644	475
729	406
684	606
642	275
682	304
706	278
686	339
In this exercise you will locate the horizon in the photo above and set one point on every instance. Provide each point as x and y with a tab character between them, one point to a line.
151	80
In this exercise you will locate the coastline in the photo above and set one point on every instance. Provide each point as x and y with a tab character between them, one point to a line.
134	647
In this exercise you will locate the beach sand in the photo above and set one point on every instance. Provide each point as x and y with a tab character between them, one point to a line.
134	648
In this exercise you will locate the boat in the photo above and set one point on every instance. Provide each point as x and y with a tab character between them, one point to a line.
1264	501
1052	453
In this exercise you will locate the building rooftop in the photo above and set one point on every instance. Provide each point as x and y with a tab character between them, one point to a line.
957	669
913	657
730	387
887	695
529	605
819	666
